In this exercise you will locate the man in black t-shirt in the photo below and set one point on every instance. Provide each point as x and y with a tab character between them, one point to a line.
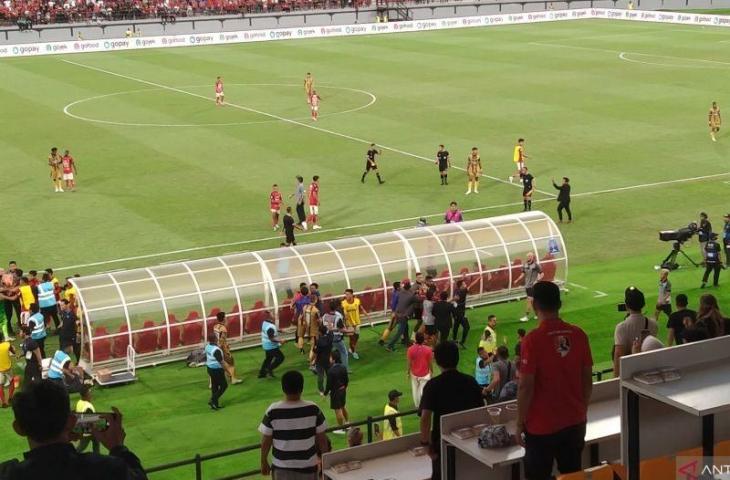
289	227
67	331
675	324
444	313
528	187
442	160
713	260
450	392
371	163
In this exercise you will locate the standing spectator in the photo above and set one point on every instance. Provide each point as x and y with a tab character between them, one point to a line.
443	312
67	331
726	238
531	273
42	414
351	308
710	316
563	199
215	365
289	227
489	340
675	324
704	229
6	370
504	373
420	367
33	357
407	301
393	426
335	324
634	326
460	320
664	300
271	344
298	195
694	330
453	214
47	300
449	392
322	352
221	332
713	261
296	430
483	372
518	346
84	405
37	325
391	324
556	381
337	382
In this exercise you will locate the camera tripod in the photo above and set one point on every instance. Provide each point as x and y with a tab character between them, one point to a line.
670	262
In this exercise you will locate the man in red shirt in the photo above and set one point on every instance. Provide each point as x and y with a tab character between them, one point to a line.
555	388
275	206
314	202
420	366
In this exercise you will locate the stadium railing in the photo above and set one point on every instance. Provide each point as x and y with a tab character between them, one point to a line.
369	436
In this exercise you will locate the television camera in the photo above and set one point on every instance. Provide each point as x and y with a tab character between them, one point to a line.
678	236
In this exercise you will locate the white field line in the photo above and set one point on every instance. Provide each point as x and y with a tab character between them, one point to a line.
619	52
375	224
599	294
623	57
283	119
577	286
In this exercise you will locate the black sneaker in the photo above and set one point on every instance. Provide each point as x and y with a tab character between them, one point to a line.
381	342
271	374
212	407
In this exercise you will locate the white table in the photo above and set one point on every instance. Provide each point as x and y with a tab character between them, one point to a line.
604	423
399	466
700	392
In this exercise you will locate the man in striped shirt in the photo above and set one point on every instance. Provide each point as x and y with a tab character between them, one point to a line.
295	428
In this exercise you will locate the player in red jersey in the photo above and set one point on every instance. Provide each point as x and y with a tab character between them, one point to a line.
314	202
275	206
314	102
219	96
69	170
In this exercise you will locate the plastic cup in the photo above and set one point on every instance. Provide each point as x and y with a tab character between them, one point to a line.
494	414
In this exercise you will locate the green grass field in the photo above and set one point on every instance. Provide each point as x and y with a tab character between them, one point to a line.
619	107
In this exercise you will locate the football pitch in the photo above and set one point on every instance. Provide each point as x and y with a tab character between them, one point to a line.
164	175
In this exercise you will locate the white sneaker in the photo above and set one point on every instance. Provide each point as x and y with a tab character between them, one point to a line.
60	190
510	179
339	432
304	225
467	192
316	227
524	319
476	191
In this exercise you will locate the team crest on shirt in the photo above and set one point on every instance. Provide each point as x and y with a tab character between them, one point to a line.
562	345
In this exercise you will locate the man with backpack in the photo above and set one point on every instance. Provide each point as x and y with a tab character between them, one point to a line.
504	376
636	326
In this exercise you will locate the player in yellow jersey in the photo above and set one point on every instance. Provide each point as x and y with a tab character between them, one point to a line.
351	308
54	163
519	158
714	120
473	170
309	87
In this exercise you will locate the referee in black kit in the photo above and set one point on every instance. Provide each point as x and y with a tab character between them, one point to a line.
563	199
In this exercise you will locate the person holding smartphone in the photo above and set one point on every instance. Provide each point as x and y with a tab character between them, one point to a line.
635	327
42	415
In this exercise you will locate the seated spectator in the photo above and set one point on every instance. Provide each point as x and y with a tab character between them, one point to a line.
43	416
694	330
709	314
675	324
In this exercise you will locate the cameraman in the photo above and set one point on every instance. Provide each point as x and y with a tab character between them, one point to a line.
713	260
635	327
43	416
704	229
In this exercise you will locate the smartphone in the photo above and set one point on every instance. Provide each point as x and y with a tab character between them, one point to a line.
621	307
87	422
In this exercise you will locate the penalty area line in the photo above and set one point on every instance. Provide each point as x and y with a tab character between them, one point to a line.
284	119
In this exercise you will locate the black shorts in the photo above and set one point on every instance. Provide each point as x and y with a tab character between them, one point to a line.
666	308
369	166
443	166
290	238
338	398
529	291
